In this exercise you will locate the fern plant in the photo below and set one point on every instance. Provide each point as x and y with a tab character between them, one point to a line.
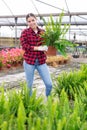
54	34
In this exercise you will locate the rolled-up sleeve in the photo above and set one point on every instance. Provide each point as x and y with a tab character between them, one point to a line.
25	42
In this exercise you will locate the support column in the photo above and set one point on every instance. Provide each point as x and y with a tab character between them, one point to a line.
16	31
0	35
70	25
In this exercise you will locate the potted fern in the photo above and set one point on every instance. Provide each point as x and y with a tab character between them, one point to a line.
54	35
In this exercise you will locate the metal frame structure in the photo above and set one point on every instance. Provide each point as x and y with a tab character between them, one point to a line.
16	23
44	15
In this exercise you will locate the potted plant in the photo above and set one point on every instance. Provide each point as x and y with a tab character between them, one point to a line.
54	35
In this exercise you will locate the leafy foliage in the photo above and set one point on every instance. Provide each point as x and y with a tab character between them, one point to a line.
11	57
20	111
71	82
54	34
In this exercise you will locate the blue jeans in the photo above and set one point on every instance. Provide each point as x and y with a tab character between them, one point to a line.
43	72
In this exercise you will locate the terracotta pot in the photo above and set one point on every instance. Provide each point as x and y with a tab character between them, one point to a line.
51	51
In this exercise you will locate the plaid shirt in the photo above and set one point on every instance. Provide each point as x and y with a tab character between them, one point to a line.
28	40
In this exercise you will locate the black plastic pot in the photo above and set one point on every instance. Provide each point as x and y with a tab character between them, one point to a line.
75	56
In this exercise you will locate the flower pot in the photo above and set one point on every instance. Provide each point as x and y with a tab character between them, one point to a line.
75	56
51	51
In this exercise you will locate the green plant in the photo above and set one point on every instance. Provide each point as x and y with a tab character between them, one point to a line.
1	65
71	82
1	60
55	114
54	34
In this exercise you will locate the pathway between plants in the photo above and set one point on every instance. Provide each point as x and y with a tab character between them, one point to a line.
12	80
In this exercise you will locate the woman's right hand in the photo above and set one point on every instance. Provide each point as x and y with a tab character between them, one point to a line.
42	48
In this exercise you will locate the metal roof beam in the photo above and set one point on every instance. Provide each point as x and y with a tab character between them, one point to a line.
46	15
41	24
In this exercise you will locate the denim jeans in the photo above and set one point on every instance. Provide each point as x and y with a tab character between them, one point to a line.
43	72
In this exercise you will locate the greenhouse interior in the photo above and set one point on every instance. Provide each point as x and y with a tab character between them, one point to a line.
43	65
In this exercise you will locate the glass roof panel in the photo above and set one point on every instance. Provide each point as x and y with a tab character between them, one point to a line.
23	7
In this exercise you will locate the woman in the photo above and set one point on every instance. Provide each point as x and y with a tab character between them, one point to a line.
34	56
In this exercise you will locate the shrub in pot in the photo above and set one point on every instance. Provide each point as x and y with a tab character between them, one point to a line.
54	34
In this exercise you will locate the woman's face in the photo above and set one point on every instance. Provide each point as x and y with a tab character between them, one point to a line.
32	22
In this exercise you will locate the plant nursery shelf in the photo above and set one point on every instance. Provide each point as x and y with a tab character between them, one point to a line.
57	60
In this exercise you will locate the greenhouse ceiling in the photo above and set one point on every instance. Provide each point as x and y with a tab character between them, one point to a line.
10	10
19	8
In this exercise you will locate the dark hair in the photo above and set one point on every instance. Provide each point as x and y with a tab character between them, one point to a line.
30	15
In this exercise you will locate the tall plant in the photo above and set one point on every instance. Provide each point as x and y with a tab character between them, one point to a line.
54	34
